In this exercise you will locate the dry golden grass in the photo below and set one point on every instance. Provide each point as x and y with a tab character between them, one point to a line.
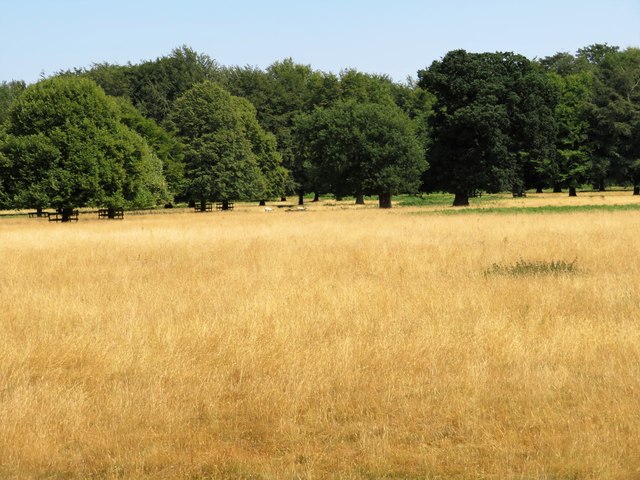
352	343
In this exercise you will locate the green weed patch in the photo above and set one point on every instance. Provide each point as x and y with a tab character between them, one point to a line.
534	268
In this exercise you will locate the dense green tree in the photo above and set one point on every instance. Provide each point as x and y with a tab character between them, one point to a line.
597	115
416	102
9	92
534	128
279	93
634	164
225	149
253	84
155	85
4	168
573	164
596	53
294	90
488	121
66	147
483	103
361	149
563	63
275	177
115	80
163	144
615	116
366	88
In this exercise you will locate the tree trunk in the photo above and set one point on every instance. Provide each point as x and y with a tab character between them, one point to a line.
572	192
557	189
636	190
316	197
384	200
461	199
66	214
601	186
39	212
203	205
263	203
301	197
192	203
283	199
225	204
539	190
111	213
359	199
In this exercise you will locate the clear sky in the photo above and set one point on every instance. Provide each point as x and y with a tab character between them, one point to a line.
395	37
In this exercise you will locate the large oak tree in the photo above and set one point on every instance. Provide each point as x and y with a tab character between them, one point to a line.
227	154
66	147
493	115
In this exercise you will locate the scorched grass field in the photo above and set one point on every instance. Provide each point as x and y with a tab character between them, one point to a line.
330	343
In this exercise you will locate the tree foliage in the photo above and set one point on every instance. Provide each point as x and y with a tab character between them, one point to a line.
598	114
280	93
490	121
9	92
361	149
615	115
156	85
366	88
572	166
152	86
163	144
226	152
493	113
67	147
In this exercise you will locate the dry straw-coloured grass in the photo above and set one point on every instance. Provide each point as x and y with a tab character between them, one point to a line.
324	344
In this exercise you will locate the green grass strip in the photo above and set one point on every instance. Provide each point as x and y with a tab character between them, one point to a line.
531	210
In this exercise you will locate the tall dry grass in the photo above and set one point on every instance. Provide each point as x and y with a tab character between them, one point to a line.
323	344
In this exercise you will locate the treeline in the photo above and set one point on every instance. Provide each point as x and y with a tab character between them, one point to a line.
183	128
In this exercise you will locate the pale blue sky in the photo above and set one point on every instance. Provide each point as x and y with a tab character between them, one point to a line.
393	37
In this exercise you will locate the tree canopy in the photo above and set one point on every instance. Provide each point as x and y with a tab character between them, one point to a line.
361	149
164	145
227	154
67	147
9	92
181	127
614	116
493	112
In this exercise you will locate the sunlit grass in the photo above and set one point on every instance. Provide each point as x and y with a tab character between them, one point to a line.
332	343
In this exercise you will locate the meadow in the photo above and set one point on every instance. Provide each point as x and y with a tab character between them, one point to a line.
338	342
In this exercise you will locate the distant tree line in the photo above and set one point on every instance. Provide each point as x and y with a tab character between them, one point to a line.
183	128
